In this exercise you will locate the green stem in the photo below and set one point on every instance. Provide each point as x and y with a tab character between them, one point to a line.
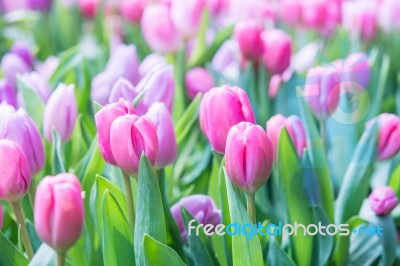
24	232
129	201
322	129
61	258
251	206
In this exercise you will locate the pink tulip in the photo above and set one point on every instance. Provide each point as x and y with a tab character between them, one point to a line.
198	80
361	19
389	134
220	109
162	121
389	18
291	12
88	7
15	174
277	50
1	217
249	156
322	90
295	128
59	211
132	10
104	119
248	36
131	136
315	13
186	15
383	200
159	30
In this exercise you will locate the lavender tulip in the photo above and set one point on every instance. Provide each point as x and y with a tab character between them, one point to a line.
7	93
24	52
13	65
186	15
122	89
151	62
383	200
39	85
40	5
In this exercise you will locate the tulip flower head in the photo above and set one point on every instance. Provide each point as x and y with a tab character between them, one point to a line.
12	65
59	211
220	109
201	207
186	15
15	174
24	52
198	80
383	200
7	93
249	156
122	89
248	36
277	50
132	10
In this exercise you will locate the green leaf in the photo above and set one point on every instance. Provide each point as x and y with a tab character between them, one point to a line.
149	212
45	256
202	253
277	256
187	120
299	211
356	181
68	61
156	253
9	254
117	236
244	251
35	240
57	156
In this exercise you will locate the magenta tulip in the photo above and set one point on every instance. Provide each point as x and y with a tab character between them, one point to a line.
186	15
220	109
159	30
104	119
7	93
122	89
198	80
131	136
167	147
383	200
295	128
249	156
248	36
15	174
59	211
277	50
132	10
201	207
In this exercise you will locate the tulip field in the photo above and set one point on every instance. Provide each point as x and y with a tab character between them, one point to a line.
199	132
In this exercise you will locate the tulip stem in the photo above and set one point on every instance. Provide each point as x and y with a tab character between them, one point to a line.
322	129
129	201
61	258
24	232
251	206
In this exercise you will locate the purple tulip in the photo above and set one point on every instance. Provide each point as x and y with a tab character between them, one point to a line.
122	89
383	200
201	207
102	85
40	5
24	52
13	65
47	68
167	147
198	80
7	93
19	127
150	63
104	119
38	84
15	174
356	69
156	86
60	112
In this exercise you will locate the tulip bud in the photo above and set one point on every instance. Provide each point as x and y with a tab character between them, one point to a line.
60	112
13	65
294	127
322	91
157	86
7	93
15	174
315	13
198	80
40	5
1	217
122	89
88	7
104	119
159	30
357	69
19	127
38	84
220	109
162	121
101	88
249	156
24	52
201	207
186	15
389	19
248	36
47	68
131	136
151	62
277	50
132	10
383	200
124	63
59	211
291	12
389	134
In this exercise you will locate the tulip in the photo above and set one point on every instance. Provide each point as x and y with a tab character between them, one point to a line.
198	80
383	200
159	30
295	128
388	18
186	15
24	52
220	109
248	36
201	207
19	127
59	211
15	174
357	69
124	63
291	12
132	10
104	119
101	88
151	62
13	65
7	93
38	84
88	7
1	216
47	68
315	13
131	136
322	91
389	134
277	50
122	89
60	112
40	5
156	86
162	121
